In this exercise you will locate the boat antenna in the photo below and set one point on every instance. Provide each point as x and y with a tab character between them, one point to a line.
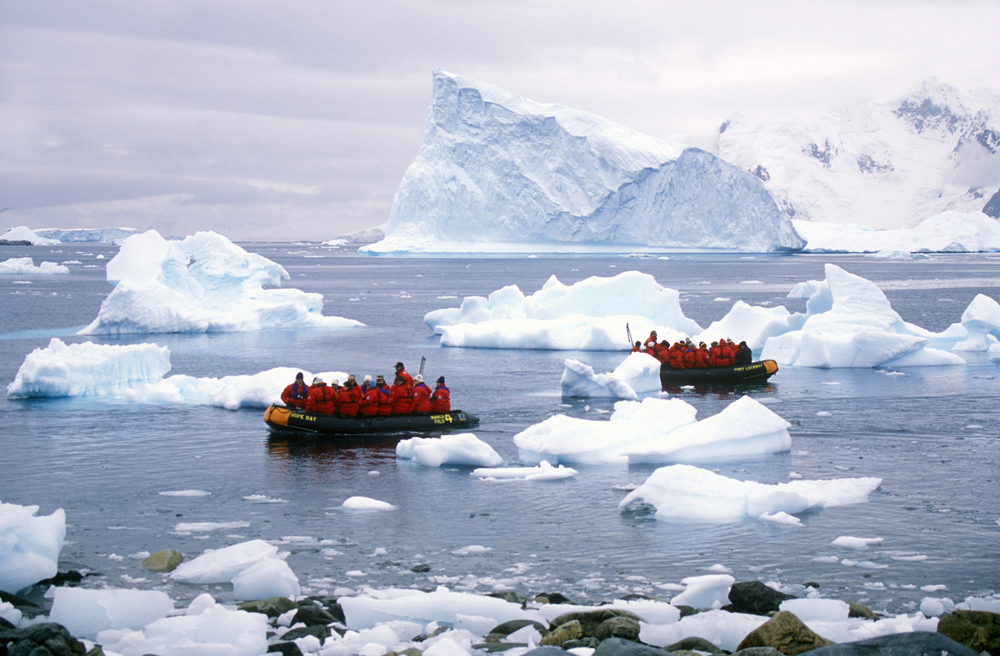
628	332
421	371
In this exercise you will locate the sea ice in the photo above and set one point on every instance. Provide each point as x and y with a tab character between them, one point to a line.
638	374
948	232
543	472
85	613
254	568
365	503
656	431
463	449
29	545
204	283
687	493
498	172
26	266
589	315
134	373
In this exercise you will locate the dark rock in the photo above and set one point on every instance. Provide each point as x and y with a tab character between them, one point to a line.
313	615
758	651
507	628
563	632
918	643
406	652
68	578
860	610
546	651
5	625
755	598
551	598
271	607
619	647
686	610
493	647
320	631
590	620
589	643
786	633
694	644
285	649
334	609
28	608
436	632
421	568
165	560
811	584
618	627
507	596
977	629
41	640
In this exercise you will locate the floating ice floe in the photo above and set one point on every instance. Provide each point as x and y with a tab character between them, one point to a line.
26	266
85	613
134	373
366	503
255	569
692	494
543	472
656	431
638	374
204	283
589	315
463	449
29	545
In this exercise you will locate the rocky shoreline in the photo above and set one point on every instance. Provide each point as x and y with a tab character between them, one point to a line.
297	628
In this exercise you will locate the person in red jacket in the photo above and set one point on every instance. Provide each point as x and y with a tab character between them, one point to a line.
701	356
322	399
401	401
421	396
347	399
384	396
677	356
714	353
663	353
637	348
440	397
689	358
295	395
651	339
401	371
728	356
368	405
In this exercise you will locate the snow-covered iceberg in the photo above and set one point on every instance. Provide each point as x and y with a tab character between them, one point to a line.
498	172
255	568
24	233
589	315
947	232
204	283
134	373
687	493
26	266
29	545
656	431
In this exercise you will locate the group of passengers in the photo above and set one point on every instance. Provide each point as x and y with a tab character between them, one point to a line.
407	395
685	355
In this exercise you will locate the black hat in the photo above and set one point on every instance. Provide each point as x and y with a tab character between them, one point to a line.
441	380
399	365
298	376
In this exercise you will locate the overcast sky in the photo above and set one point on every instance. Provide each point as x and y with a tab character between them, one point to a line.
295	119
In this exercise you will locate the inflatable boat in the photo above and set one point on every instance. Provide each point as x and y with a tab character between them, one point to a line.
282	420
755	372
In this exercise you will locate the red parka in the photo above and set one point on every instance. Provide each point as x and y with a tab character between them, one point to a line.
347	402
421	398
384	399
322	399
401	401
368	405
440	399
296	394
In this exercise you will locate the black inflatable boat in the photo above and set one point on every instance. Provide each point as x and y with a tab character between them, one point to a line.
282	420
755	372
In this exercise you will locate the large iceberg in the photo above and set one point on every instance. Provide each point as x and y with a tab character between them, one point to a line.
86	235
24	233
589	315
204	283
656	431
498	172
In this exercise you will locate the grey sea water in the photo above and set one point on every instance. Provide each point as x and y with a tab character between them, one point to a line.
930	434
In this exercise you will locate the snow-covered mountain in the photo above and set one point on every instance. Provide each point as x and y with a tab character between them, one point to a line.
888	165
498	172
